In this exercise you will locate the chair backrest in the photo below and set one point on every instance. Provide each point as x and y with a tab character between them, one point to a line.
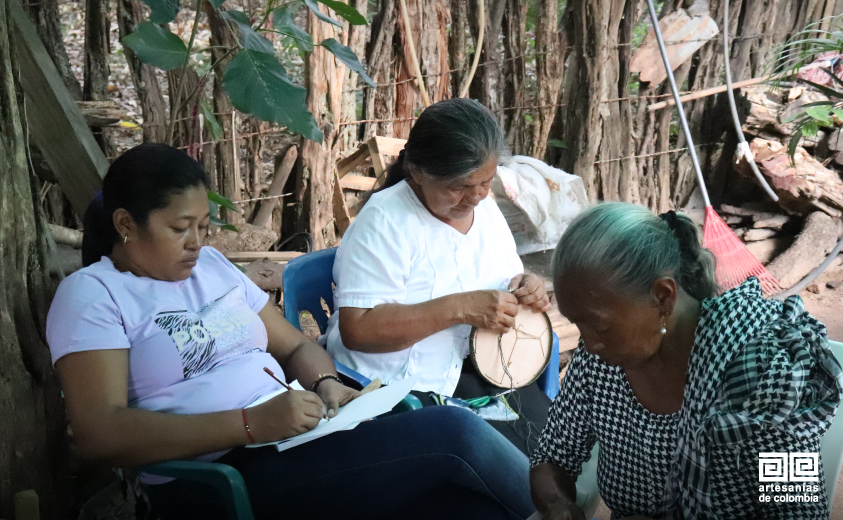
307	280
832	445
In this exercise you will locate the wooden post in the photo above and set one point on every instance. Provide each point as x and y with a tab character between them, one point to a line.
282	173
55	124
26	505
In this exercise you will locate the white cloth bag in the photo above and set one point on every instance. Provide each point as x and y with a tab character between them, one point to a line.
538	202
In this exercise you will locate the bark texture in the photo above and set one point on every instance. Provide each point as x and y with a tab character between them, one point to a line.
33	443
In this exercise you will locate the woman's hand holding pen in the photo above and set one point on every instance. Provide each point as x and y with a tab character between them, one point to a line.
289	414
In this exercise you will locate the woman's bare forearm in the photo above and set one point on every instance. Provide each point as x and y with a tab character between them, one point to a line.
393	327
134	437
550	484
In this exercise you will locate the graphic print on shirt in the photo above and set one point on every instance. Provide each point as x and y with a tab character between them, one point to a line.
213	334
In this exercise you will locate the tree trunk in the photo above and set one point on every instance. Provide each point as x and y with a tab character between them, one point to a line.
96	64
323	80
551	53
33	443
143	77
456	44
96	50
515	74
356	41
227	174
429	21
596	126
486	86
45	15
379	103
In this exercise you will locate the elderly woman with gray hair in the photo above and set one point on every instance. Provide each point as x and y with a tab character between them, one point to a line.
680	388
430	256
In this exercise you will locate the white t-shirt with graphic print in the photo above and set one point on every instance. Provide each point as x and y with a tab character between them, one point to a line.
195	346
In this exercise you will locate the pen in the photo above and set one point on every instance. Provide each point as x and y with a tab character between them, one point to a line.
273	376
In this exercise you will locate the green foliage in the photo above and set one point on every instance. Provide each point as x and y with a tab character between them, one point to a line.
248	37
556	143
802	49
162	11
210	120
255	80
214	203
347	56
258	84
314	8
349	13
156	46
282	20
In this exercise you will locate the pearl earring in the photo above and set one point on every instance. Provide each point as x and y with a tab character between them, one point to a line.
664	326
125	238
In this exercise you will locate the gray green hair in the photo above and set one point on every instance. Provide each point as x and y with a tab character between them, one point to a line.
630	247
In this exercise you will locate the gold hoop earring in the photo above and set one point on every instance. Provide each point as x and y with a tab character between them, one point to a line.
125	238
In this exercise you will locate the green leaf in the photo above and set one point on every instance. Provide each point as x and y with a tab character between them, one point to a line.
222	224
258	84
238	17
210	120
351	14
347	56
838	113
819	114
156	46
225	202
216	3
248	37
810	129
791	146
319	14
163	11
556	143
830	92
282	20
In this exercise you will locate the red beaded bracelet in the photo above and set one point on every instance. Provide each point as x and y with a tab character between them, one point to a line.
248	430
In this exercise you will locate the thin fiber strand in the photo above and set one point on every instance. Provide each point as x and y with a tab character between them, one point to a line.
735	263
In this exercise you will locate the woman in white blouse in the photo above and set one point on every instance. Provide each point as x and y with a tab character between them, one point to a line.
430	256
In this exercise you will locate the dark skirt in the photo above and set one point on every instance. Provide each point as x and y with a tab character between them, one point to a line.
530	403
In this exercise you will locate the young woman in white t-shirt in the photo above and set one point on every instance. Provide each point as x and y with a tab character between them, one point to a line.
430	256
160	345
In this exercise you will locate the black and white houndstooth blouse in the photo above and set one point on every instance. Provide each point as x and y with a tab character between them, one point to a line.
761	379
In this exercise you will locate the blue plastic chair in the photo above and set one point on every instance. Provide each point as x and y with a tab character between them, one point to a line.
308	279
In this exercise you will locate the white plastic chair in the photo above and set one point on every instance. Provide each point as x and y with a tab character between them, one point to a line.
832	445
588	495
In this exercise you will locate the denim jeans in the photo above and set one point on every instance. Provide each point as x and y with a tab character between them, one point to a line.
434	463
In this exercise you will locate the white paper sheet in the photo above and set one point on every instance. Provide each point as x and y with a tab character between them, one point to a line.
349	416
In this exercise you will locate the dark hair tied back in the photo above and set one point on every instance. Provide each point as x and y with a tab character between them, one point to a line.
450	139
139	181
697	263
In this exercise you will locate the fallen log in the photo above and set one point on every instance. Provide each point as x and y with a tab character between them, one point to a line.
767	250
283	167
818	237
266	274
253	256
754	235
66	236
804	188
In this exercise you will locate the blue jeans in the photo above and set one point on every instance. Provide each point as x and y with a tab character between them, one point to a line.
438	462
